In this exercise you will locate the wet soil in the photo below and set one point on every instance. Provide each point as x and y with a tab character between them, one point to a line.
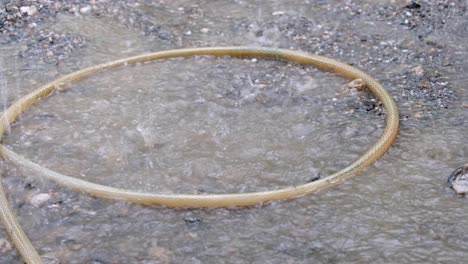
242	125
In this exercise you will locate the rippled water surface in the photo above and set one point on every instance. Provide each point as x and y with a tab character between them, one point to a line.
219	125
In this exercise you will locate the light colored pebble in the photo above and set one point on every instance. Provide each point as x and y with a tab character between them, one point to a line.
39	199
85	9
29	10
460	184
418	71
278	13
204	30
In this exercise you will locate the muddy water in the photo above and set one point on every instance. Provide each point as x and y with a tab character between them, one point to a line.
222	125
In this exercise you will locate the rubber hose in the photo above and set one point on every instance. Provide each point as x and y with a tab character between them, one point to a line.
21	241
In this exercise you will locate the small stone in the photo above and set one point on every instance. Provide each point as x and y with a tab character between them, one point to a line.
418	115
192	220
5	246
458	180
50	258
204	30
278	13
85	9
418	71
188	33
314	178
39	199
356	84
253	60
29	10
413	5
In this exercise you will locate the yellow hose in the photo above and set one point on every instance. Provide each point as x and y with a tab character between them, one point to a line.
30	255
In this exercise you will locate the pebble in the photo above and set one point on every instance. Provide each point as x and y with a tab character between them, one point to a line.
278	13
458	180
29	10
204	30
39	199
418	71
357	84
192	220
85	9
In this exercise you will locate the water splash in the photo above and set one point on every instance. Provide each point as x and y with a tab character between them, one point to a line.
3	85
3	88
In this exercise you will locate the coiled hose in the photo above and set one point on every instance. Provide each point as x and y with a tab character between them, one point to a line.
21	241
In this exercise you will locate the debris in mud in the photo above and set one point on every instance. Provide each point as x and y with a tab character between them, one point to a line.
52	47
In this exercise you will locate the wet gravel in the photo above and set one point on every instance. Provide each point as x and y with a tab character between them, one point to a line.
422	61
413	47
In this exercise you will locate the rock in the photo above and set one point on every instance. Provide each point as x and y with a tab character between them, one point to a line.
85	9
50	258
39	199
357	84
353	87
458	180
413	5
314	178
29	10
192	220
418	71
204	30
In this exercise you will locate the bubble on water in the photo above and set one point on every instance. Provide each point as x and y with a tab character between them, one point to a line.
3	86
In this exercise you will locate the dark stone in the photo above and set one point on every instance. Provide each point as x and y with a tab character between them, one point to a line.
413	5
192	220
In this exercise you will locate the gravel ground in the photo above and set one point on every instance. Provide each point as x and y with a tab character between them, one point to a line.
433	31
